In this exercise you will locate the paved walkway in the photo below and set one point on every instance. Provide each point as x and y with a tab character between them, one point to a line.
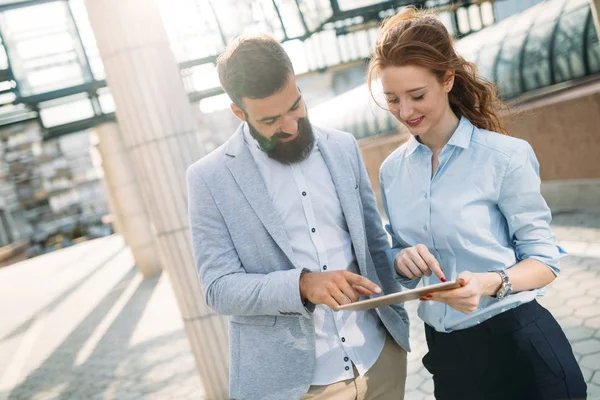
81	323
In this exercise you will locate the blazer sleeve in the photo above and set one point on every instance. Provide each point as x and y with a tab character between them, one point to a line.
228	288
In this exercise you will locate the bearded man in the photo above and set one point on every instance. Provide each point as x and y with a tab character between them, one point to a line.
285	229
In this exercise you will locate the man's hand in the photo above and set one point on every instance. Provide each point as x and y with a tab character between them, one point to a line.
335	288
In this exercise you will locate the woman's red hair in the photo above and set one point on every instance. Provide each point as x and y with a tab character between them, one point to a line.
413	37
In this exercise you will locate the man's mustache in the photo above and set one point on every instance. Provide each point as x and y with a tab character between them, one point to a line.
281	135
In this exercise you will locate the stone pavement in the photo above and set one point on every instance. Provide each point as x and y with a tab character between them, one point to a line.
81	323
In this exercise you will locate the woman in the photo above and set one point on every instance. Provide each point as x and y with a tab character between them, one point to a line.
464	204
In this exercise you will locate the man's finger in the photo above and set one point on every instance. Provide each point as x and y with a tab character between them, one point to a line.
331	303
355	279
361	290
349	292
340	297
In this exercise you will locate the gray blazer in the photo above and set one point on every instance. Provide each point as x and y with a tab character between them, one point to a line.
247	269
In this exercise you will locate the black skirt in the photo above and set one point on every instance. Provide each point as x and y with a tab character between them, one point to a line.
521	354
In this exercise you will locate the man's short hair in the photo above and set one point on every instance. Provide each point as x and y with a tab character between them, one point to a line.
254	66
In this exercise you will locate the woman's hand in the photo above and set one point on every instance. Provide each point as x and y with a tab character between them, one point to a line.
472	287
414	262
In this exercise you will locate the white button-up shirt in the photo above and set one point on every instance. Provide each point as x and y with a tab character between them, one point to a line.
306	201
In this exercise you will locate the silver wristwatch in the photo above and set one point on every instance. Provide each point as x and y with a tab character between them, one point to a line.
505	288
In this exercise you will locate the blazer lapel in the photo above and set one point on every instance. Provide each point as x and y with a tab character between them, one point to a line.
246	174
347	189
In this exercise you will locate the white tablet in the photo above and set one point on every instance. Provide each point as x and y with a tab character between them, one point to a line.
399	297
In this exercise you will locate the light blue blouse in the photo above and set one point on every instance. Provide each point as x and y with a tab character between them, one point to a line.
481	211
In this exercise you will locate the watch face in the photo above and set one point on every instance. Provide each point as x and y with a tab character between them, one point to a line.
505	290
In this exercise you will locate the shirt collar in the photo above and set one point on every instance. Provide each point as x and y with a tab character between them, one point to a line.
460	138
462	135
413	144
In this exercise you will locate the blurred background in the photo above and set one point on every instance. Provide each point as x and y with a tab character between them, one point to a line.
104	103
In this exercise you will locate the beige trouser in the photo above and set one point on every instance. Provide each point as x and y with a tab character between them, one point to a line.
383	381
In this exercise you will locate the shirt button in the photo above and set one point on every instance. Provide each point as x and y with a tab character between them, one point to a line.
324	267
425	195
425	228
346	359
313	230
303	193
343	339
347	368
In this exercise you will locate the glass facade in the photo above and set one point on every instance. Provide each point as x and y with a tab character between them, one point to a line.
549	43
51	71
49	61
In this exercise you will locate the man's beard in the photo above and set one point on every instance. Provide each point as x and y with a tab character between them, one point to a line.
286	152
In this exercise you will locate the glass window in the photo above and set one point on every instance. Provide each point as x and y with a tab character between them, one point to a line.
87	38
536	64
508	76
469	47
3	58
487	13
315	12
65	110
312	52
475	17
575	4
362	44
463	20
290	15
200	77
327	45
344	48
192	28
568	46
486	61
550	11
593	48
43	47
352	4
105	98
296	50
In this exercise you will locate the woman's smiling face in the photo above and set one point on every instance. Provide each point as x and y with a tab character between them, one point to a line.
416	97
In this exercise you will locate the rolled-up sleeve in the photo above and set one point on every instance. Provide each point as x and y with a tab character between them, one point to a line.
526	212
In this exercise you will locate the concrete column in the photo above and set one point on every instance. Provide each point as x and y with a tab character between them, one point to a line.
160	135
595	6
125	200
